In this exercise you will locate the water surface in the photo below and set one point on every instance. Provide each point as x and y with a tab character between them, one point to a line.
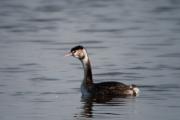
135	42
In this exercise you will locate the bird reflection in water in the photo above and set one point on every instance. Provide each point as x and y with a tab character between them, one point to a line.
89	102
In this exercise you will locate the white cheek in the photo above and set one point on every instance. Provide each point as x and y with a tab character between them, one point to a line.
76	55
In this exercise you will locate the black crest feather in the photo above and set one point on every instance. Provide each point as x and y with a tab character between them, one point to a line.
77	48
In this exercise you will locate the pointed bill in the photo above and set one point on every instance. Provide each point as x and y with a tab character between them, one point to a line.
68	54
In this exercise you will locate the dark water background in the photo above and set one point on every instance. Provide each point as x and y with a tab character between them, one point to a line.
130	41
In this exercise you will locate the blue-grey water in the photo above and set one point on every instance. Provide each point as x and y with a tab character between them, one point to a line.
130	41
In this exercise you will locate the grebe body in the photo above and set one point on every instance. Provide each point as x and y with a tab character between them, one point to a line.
89	88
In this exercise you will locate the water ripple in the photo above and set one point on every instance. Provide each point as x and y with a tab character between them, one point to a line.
29	64
12	70
41	20
43	79
156	44
21	68
54	42
7	27
41	100
161	87
53	93
169	55
50	8
161	9
113	74
22	93
157	67
139	68
100	30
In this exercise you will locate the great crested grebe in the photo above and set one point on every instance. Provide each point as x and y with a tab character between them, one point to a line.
89	88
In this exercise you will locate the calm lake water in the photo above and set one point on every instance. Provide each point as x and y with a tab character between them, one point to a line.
130	41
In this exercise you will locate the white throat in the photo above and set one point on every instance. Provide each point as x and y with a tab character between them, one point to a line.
87	81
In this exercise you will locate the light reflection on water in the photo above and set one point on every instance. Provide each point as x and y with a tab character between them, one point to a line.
135	42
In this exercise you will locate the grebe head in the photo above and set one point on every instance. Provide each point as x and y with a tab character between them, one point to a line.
77	52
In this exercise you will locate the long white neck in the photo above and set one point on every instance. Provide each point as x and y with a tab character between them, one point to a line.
88	80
